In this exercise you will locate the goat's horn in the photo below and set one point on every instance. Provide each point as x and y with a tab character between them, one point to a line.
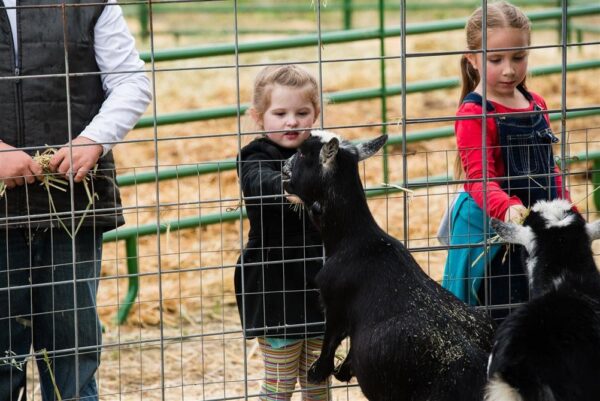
368	149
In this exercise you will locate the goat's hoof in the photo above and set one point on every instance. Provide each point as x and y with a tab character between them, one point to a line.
317	374
343	373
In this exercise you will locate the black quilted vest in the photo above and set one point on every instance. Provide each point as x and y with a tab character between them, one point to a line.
37	102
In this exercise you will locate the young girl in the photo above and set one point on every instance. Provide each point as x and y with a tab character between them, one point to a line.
520	168
276	293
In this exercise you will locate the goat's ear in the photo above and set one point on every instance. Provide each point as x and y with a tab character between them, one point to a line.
328	151
368	149
593	229
513	233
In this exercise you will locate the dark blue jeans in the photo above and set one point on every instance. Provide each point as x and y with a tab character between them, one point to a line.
41	304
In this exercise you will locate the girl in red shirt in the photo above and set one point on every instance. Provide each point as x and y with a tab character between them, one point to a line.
518	166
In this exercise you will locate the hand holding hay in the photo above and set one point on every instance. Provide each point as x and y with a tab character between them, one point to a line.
49	179
16	167
82	152
516	214
293	198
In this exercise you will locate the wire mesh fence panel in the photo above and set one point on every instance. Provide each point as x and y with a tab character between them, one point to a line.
158	258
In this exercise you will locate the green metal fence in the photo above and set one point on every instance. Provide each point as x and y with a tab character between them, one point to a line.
131	234
346	9
344	36
345	96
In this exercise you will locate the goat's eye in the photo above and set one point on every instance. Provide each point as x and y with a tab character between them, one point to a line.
300	155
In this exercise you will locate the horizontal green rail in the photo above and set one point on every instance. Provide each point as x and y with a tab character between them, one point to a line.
306	7
343	36
229	164
586	27
346	96
175	172
131	234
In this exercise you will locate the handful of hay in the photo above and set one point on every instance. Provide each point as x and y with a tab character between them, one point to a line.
51	180
496	239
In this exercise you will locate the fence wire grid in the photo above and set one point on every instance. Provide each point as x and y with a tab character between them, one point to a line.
166	302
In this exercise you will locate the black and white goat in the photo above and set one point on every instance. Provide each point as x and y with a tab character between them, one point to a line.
410	339
549	349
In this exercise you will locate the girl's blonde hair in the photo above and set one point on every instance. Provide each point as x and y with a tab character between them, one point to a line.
499	15
284	75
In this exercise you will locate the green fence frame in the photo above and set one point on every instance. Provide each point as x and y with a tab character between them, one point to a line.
345	96
346	8
342	36
131	234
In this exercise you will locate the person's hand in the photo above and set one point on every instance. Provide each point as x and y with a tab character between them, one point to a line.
516	214
17	167
293	198
84	158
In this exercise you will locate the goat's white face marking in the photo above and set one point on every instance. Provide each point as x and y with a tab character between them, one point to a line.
593	230
498	390
327	155
522	235
556	212
325	136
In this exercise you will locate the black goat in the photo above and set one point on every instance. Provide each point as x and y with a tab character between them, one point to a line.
410	339
549	348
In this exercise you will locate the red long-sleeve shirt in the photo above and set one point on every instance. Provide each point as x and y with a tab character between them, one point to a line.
469	143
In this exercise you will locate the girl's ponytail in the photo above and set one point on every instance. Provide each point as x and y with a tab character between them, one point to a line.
470	78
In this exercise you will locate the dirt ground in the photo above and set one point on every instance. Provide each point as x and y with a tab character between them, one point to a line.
186	280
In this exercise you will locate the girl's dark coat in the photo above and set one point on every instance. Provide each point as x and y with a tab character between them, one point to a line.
283	254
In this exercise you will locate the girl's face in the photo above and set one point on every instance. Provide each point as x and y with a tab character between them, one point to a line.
290	109
505	68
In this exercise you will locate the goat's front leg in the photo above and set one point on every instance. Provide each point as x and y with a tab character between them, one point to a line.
334	334
344	372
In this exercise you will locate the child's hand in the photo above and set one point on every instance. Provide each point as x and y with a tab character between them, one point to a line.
17	167
84	158
516	214
293	198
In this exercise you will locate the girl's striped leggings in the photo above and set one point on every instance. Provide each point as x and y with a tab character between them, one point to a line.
284	366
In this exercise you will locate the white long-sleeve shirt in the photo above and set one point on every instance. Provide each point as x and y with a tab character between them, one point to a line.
128	93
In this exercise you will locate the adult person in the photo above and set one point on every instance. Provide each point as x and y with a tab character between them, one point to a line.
70	79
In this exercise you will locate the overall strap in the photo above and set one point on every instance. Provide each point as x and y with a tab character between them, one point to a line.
474	97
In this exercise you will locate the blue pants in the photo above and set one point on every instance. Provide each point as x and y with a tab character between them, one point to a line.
42	305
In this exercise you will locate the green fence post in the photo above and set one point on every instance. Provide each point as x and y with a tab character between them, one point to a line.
143	17
383	86
347	14
132	272
596	183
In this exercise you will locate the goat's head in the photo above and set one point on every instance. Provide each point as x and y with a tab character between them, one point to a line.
556	239
323	161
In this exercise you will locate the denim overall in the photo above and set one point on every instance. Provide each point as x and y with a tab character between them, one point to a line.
526	142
